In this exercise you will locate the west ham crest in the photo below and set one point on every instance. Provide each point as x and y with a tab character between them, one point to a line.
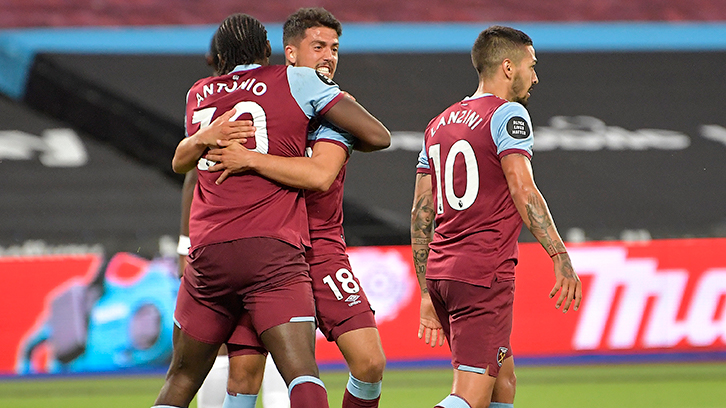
501	354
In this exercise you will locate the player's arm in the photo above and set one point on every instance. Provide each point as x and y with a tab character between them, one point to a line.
371	145
422	226
422	229
310	173
190	149
190	180
537	218
347	114
300	172
371	142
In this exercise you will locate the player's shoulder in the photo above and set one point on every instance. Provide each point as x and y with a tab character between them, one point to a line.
512	119
202	82
306	74
271	68
512	109
432	121
261	73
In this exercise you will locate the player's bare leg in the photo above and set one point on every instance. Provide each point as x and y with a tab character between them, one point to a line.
245	378
245	373
474	388
191	361
214	388
363	352
292	346
506	385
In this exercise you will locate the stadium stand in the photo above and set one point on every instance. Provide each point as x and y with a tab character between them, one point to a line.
39	13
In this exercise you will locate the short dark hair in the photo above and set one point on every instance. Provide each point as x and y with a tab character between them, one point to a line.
240	39
298	22
494	45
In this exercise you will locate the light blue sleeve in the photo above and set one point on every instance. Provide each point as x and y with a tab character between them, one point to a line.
423	158
312	91
511	128
328	131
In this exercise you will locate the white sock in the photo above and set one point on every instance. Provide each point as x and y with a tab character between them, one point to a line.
213	390
274	389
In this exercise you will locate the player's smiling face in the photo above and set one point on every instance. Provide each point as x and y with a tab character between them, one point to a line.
318	50
525	77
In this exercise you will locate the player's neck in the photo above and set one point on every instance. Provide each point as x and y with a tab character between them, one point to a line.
500	89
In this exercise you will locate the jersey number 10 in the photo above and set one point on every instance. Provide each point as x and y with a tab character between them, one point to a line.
259	119
472	176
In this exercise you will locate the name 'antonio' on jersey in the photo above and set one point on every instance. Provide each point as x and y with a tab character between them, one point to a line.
477	224
280	100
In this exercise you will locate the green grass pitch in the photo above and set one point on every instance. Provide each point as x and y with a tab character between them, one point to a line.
701	385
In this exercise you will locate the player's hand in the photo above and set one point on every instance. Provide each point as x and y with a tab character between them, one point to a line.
231	158
348	95
429	328
224	129
567	283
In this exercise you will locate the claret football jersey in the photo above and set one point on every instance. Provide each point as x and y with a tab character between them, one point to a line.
281	101
325	208
477	224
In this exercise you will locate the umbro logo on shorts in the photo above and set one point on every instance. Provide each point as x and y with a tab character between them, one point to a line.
352	300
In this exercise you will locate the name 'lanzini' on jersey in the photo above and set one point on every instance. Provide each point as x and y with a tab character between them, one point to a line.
474	211
280	100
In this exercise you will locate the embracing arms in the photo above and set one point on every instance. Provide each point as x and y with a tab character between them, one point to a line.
311	173
190	149
316	172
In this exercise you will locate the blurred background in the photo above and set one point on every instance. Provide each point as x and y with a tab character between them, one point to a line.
630	134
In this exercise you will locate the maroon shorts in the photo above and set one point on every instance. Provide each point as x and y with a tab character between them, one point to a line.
233	291
477	322
341	304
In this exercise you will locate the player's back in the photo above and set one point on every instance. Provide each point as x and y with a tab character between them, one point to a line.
248	205
477	224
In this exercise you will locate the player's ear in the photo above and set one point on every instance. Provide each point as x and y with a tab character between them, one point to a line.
290	54
507	68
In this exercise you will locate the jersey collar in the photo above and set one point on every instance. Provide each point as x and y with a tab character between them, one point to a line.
471	98
245	67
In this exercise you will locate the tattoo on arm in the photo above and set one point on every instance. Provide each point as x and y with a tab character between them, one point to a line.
568	271
422	224
540	224
420	257
423	217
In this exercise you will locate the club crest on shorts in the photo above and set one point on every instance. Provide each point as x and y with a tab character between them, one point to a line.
501	354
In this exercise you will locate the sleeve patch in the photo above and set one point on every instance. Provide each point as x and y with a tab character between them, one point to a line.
518	128
326	80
